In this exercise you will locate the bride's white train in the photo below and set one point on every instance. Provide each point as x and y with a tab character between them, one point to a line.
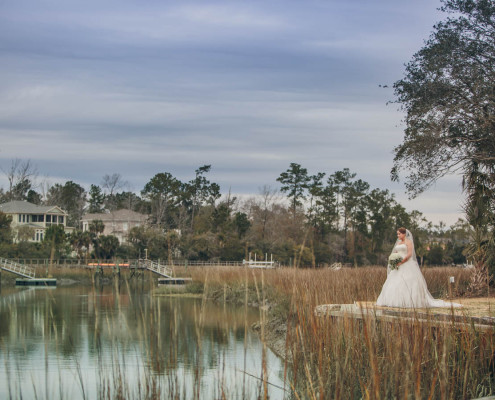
405	286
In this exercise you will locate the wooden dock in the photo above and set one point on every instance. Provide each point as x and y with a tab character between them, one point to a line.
466	316
265	264
165	271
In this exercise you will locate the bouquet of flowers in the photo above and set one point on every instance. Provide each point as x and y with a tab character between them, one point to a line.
394	260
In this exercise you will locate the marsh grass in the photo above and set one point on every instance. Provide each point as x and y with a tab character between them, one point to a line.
353	358
364	358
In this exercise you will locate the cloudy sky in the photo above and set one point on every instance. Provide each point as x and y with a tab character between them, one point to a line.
97	87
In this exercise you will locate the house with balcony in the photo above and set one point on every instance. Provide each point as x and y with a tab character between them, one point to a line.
38	218
117	223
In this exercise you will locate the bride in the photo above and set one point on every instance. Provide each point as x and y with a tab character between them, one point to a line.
405	285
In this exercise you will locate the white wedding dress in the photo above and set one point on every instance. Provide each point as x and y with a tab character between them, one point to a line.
405	287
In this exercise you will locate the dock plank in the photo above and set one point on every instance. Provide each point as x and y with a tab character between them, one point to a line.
471	314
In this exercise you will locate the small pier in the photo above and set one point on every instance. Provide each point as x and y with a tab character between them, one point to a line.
461	317
260	264
164	271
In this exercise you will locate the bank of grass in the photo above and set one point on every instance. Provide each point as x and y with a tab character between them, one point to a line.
347	358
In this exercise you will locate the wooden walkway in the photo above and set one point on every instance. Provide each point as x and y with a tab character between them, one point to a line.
465	316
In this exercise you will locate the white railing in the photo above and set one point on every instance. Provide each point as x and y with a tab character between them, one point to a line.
16	268
259	264
188	263
34	262
159	269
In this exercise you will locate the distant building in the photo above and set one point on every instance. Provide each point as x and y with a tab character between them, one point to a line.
117	223
25	214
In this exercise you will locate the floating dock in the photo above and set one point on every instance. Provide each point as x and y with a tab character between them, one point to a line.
173	281
36	282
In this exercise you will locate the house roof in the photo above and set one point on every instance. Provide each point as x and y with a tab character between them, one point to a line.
118	215
24	207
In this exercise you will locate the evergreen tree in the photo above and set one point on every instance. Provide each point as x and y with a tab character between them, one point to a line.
5	230
294	182
71	197
164	193
96	200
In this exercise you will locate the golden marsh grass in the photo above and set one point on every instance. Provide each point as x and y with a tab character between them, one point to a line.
349	358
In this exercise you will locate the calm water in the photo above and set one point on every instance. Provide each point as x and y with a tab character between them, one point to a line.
84	342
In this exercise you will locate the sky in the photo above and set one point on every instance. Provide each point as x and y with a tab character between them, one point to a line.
96	87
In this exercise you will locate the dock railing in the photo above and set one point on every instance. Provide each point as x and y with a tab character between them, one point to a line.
129	263
259	264
17	268
163	270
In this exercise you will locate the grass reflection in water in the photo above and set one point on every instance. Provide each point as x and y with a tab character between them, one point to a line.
121	342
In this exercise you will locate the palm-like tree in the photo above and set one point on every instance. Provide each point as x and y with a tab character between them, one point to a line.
479	207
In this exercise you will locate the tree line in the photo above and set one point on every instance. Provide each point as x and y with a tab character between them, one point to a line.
448	100
313	220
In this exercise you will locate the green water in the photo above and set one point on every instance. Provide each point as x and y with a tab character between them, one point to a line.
86	343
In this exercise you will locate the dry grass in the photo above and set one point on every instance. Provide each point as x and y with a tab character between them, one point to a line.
325	286
350	358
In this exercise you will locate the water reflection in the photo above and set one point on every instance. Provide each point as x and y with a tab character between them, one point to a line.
87	342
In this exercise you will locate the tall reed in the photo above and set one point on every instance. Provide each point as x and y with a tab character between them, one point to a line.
366	358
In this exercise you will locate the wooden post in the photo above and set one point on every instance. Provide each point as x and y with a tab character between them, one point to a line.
451	281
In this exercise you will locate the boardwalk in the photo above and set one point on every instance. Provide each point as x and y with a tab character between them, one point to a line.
479	313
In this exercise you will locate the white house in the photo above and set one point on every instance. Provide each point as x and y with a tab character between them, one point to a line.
25	214
117	223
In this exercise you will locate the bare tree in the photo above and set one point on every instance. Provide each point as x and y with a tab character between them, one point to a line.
269	196
44	188
110	185
262	211
21	176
